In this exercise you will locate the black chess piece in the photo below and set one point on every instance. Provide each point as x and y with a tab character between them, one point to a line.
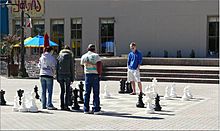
70	97
81	85
128	87
75	96
36	92
2	99
122	86
140	103
20	94
157	103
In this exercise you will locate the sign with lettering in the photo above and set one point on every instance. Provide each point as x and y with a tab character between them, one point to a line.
35	8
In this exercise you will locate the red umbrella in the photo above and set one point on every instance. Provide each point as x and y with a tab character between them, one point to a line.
46	40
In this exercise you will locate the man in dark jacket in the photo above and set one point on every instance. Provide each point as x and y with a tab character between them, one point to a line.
65	75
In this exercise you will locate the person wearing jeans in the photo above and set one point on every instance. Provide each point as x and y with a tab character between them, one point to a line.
92	80
47	85
65	76
47	65
92	65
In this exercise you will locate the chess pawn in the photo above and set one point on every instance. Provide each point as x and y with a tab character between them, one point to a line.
36	92
33	106
185	97
16	104
167	93
23	107
173	92
157	104
81	85
106	94
122	86
154	81
75	105
2	99
140	103
189	94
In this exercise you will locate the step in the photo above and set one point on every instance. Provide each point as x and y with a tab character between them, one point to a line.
156	74
166	79
165	70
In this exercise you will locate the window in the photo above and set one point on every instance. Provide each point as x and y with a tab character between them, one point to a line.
107	36
17	27
76	36
57	31
213	36
38	27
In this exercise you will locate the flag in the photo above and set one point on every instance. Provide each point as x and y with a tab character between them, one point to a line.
28	23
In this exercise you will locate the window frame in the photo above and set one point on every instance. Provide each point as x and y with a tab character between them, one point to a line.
112	19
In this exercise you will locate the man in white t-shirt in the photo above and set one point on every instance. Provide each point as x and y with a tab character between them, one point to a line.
92	65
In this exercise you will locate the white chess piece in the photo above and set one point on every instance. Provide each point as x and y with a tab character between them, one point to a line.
106	94
33	106
189	94
173	91
23	107
150	96
167	93
185	97
154	84
16	104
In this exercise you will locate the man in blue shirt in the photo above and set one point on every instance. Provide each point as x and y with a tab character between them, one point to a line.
134	63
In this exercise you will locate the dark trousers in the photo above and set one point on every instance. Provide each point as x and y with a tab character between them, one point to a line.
65	92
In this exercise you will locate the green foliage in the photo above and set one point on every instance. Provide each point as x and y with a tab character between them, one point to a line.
7	45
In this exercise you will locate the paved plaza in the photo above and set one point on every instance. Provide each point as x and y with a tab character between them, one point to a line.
120	112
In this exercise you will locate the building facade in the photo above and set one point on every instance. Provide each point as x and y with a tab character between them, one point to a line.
157	26
4	29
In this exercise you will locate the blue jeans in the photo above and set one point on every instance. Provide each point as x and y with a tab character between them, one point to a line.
65	91
47	85
92	81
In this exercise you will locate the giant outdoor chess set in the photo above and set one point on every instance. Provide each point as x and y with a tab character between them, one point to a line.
150	103
154	103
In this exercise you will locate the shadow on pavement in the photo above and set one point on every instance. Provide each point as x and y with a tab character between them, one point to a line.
5	105
45	112
127	115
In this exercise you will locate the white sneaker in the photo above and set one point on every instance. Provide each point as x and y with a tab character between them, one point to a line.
98	112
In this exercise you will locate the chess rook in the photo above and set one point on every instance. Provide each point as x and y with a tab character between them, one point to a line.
122	86
128	87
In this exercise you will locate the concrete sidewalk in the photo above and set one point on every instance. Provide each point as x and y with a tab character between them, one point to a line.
200	113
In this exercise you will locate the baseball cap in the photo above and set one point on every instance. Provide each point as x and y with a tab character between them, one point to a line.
91	46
